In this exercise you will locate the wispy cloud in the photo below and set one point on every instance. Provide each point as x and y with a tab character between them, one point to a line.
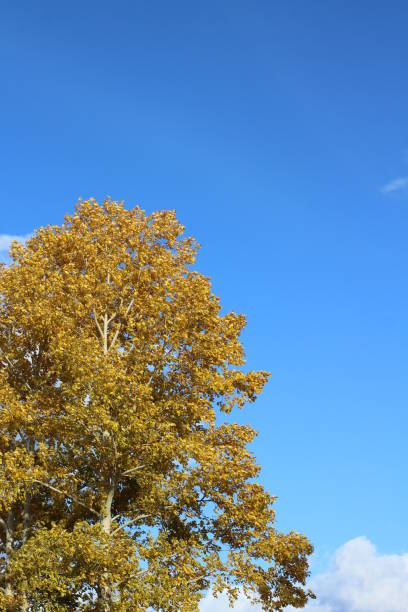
5	243
396	185
220	604
359	580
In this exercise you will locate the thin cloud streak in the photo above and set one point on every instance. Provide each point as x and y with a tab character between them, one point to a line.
7	239
395	185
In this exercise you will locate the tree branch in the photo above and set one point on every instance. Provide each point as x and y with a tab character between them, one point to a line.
97	323
201	577
128	472
112	317
11	366
130	522
115	337
70	495
129	307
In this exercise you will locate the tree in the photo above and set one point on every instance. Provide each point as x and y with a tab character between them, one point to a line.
121	488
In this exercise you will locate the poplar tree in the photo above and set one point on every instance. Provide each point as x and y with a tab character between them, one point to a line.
122	485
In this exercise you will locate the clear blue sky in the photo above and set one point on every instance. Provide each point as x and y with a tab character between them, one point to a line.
276	130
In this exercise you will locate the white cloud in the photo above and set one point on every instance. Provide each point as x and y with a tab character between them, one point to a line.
5	242
220	604
7	239
359	579
395	185
362	580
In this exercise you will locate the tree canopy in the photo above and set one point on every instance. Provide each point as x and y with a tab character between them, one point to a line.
122	487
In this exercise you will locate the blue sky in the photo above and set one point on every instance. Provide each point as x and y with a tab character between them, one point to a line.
278	132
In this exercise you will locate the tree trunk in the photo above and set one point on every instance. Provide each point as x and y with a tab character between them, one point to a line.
26	529
27	521
106	591
8	591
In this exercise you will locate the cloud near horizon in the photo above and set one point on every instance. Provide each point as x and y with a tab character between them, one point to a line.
359	579
396	185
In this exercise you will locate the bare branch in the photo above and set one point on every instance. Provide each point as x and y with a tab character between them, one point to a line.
127	472
115	337
201	577
8	361
112	317
130	522
105	333
69	495
3	524
129	307
11	365
97	324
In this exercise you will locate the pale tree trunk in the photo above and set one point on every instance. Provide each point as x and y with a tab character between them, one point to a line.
26	522
26	529
106	591
8	590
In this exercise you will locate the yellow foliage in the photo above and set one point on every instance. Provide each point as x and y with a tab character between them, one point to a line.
120	488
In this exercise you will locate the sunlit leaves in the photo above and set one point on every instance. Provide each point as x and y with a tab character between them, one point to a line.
120	487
